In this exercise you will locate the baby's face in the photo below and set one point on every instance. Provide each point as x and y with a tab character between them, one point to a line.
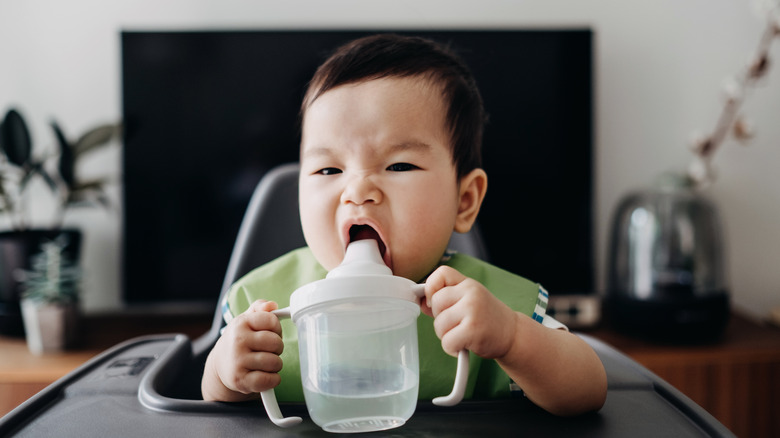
376	161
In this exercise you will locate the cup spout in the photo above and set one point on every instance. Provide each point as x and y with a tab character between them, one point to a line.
361	258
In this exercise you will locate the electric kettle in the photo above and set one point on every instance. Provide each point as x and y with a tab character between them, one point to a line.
357	346
666	266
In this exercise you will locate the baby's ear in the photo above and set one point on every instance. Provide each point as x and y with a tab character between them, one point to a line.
473	187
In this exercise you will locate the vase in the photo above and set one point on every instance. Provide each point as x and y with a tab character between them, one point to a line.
49	327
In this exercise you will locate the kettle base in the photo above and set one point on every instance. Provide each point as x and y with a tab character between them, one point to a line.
688	320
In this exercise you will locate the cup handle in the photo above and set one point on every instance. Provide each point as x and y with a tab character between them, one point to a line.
461	372
461	378
269	396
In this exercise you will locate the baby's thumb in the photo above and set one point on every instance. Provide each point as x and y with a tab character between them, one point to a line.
263	306
425	308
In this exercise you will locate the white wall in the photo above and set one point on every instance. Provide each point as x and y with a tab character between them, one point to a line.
659	70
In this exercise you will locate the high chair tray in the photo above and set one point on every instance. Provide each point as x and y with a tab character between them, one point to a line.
150	387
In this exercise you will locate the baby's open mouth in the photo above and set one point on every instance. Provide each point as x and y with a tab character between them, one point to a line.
362	232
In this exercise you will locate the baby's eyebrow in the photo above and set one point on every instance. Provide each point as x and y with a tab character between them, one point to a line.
318	151
327	152
410	145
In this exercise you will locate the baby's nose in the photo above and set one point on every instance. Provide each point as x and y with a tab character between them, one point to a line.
361	189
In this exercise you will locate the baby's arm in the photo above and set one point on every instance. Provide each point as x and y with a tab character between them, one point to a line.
245	359
557	370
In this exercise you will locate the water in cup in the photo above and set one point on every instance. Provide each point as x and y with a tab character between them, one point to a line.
378	396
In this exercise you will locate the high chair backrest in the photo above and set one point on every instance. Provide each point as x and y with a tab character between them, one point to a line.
272	227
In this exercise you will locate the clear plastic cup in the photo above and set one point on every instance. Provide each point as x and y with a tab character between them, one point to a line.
359	364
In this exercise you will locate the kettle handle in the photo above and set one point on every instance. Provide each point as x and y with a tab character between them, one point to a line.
461	371
269	396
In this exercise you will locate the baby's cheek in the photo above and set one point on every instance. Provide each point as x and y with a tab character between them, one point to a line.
424	260
328	257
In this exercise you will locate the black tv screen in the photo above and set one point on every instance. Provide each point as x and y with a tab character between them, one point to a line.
207	113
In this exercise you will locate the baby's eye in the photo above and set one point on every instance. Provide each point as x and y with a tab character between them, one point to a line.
401	167
329	171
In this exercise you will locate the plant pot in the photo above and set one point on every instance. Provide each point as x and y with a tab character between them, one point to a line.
16	248
49	327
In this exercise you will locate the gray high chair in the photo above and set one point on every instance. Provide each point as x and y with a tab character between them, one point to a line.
150	386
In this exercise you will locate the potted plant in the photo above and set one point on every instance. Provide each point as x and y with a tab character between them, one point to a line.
19	166
50	296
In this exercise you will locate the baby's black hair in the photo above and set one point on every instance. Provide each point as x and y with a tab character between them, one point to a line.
391	55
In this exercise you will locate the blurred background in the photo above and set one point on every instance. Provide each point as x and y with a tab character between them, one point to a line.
658	74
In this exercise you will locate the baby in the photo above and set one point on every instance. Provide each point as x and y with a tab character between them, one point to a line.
390	150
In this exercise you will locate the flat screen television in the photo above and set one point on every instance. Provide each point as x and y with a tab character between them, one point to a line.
207	113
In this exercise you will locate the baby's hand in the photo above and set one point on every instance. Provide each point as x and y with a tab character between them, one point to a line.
467	316
246	358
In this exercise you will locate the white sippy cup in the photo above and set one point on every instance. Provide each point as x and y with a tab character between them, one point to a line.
357	345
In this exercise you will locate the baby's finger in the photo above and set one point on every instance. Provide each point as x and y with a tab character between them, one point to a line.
425	308
445	299
265	340
442	277
445	320
455	340
262	306
259	381
258	321
263	361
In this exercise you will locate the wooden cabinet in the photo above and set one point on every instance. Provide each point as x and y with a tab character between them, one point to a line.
736	379
23	374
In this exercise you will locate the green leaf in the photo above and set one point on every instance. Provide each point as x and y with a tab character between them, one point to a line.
93	184
95	137
62	141
89	194
15	138
67	160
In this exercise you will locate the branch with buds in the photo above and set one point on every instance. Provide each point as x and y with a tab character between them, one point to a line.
701	172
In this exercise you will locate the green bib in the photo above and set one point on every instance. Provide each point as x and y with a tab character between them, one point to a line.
278	279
